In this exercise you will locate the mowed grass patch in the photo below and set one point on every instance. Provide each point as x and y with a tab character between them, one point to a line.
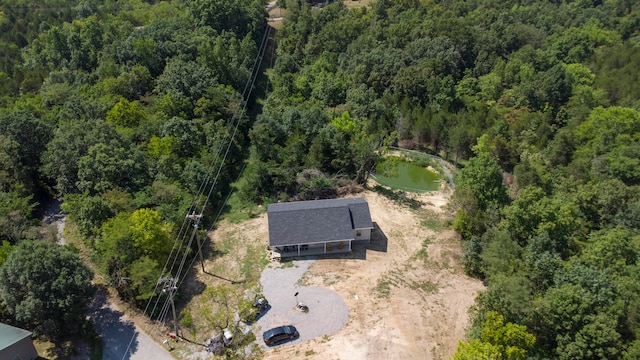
239	259
231	277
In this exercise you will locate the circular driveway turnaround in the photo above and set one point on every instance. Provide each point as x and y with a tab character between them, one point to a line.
328	313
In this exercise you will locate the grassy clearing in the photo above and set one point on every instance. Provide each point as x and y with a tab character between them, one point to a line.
422	254
238	210
66	349
44	349
426	286
231	279
432	220
239	259
253	263
383	289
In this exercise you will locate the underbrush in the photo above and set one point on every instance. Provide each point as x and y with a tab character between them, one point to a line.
238	210
398	196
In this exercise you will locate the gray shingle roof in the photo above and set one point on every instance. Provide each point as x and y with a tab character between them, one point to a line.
308	222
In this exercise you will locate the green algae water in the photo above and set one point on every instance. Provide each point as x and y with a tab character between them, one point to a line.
397	173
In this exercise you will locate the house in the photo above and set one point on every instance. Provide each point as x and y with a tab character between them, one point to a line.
16	344
318	226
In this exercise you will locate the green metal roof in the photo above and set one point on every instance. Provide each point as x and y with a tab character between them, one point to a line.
10	335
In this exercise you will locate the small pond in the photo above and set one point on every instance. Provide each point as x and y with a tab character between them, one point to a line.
404	175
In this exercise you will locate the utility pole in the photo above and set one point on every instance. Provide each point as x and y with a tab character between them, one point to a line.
170	287
196	220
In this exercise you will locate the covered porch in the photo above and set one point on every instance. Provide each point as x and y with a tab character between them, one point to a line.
330	247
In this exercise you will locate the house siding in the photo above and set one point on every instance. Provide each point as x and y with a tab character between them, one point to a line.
364	235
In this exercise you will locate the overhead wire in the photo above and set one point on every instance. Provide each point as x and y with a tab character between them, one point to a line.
255	73
235	121
230	142
228	139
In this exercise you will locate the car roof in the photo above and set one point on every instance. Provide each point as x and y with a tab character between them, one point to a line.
286	329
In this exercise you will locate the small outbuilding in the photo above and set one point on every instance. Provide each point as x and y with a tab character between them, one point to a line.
318	227
16	344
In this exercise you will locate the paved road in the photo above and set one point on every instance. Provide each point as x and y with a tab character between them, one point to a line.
121	339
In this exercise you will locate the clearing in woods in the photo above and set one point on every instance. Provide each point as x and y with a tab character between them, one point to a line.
408	297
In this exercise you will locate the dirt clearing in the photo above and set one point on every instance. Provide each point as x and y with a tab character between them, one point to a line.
408	302
406	294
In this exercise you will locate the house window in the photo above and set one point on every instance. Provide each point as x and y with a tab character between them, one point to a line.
358	233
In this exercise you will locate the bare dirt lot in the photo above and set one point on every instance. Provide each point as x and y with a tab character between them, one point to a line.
408	302
406	294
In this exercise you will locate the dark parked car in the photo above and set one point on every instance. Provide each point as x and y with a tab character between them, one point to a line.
279	334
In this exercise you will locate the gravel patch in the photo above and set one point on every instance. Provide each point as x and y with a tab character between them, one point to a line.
328	313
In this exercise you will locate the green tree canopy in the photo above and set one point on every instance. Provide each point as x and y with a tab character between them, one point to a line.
46	288
498	341
151	236
483	176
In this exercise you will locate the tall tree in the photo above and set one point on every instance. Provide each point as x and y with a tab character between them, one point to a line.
498	341
239	17
46	288
483	177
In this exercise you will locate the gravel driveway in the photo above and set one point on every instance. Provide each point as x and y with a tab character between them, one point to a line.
327	314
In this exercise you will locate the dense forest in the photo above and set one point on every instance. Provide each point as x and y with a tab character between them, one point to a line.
538	103
122	108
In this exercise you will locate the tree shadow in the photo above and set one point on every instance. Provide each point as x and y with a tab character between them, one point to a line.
259	315
192	286
119	335
209	252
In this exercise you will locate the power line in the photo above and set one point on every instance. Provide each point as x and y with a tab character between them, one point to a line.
255	75
253	80
235	121
230	142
